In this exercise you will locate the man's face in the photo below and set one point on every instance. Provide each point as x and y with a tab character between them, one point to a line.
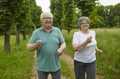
47	20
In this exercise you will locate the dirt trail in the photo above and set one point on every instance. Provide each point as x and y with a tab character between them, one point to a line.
34	72
68	59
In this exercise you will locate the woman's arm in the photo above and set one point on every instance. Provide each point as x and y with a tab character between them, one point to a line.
77	47
98	50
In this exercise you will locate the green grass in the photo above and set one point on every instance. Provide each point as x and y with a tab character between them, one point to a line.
18	63
68	40
108	64
66	71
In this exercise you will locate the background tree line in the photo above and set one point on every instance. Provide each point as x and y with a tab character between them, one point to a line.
23	16
18	16
67	12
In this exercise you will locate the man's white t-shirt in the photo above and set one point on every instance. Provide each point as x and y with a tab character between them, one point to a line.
87	54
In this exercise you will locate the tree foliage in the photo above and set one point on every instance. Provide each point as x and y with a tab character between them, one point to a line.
23	16
69	15
95	19
86	6
18	14
36	16
9	10
110	15
64	13
57	9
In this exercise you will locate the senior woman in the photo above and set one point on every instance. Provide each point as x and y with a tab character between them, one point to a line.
85	46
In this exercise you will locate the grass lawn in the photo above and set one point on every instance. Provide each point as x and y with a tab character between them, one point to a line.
66	71
18	63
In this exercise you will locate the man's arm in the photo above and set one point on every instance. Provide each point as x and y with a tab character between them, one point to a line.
34	46
62	47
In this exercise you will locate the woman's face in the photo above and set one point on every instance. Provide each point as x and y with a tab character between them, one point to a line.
84	25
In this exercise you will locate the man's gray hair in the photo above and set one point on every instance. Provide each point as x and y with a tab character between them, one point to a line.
83	19
44	13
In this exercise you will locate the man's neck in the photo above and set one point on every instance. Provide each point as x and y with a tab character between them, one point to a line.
48	29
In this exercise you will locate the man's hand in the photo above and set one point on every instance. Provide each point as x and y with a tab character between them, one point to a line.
34	46
62	47
38	43
60	51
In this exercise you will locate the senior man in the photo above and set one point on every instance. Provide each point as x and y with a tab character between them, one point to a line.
49	43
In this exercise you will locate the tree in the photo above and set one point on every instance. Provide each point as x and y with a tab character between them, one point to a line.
19	20
24	19
110	15
116	10
86	6
69	15
36	16
27	18
17	14
95	19
102	14
57	9
9	9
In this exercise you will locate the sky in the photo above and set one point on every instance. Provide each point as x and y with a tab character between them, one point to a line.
46	3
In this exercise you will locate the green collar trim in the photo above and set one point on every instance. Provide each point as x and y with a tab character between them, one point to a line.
42	29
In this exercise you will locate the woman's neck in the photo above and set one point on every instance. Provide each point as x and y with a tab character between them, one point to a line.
85	31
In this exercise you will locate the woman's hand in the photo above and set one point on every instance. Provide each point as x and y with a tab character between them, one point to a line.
78	47
99	51
89	39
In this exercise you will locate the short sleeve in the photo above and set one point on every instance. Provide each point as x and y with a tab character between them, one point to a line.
93	33
75	39
61	38
33	38
95	36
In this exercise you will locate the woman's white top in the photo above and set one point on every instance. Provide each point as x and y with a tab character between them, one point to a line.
86	54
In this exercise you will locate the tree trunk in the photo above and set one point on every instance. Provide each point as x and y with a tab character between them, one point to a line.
24	35
17	35
7	36
7	42
68	31
30	31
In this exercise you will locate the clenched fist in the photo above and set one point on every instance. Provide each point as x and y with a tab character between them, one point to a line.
38	43
60	51
89	39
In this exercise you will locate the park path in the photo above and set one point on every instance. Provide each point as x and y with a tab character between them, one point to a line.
68	59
